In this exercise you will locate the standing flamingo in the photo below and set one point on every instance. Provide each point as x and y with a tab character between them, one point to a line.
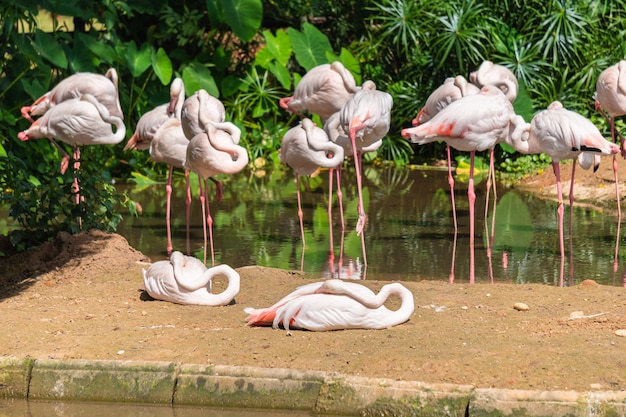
213	151
160	130
306	148
564	134
366	117
212	109
186	280
323	91
334	305
611	96
102	87
473	123
77	122
451	90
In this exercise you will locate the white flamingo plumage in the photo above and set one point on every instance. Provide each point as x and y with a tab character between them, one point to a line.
334	305
565	134
186	280
212	151
306	148
473	123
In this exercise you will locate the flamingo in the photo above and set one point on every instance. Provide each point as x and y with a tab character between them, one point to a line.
473	123
306	148
451	90
323	91
186	280
210	152
213	110
102	87
493	74
611	96
77	122
160	130
367	117
335	305
564	134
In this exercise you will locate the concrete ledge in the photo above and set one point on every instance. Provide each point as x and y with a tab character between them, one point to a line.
317	392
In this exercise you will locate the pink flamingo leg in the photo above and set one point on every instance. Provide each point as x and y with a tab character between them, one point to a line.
340	197
571	225
330	213
300	214
188	209
611	122
491	180
357	163
209	221
451	183
456	228
168	210
619	208
560	209
202	199
471	196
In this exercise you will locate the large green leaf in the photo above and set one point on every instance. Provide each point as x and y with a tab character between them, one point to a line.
103	51
50	49
243	16
162	66
281	73
197	76
278	47
310	46
138	60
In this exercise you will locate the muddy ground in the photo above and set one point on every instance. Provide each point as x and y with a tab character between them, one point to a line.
82	297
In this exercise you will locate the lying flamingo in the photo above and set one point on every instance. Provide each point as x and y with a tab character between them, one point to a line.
334	305
186	280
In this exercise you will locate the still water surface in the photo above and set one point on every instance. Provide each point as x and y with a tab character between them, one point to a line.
409	235
23	408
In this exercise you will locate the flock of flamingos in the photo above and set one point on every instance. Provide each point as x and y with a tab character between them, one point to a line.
192	134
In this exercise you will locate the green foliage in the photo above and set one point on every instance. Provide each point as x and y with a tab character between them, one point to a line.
250	53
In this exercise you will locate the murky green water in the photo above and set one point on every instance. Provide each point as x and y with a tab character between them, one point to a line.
409	235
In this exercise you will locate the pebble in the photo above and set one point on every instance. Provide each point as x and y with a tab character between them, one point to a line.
621	332
521	307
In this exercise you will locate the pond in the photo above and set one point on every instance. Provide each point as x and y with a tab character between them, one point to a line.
409	234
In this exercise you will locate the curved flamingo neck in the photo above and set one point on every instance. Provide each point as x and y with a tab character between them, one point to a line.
120	128
233	284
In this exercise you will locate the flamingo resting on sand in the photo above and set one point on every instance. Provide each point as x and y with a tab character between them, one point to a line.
306	148
160	131
323	91
564	134
213	151
475	122
334	305
186	280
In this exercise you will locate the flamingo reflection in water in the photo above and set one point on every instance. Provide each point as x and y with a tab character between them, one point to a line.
335	305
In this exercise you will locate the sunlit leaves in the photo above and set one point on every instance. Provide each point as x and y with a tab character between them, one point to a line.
162	66
196	76
310	46
461	35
